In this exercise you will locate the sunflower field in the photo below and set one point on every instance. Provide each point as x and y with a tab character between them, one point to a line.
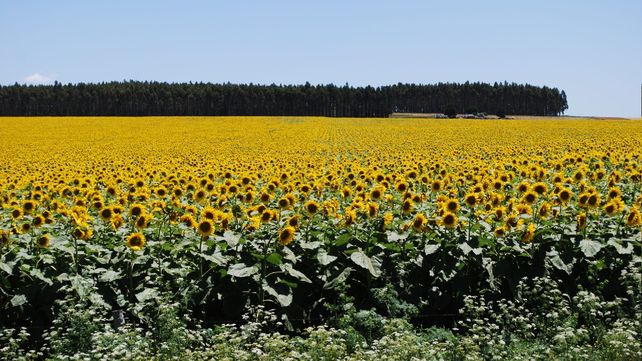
224	216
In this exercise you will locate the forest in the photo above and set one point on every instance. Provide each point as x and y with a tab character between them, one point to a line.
136	98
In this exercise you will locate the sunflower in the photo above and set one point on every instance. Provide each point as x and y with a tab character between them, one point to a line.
38	221
293	221
436	185
581	220
470	199
407	206
419	222
402	186
136	210
540	188
205	227
376	193
143	221
614	192
564	195
349	217
500	231
16	213
387	219
582	199
449	220
136	241
106	213
529	233
499	213
544	210
188	220
529	197
593	200
117	221
43	241
312	207
283	203
268	215
29	206
634	218
286	235
372	209
208	213
5	237
452	205
611	208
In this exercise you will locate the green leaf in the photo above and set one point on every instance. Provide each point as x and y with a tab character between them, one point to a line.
373	265
216	258
146	294
18	300
232	238
431	248
311	245
7	267
343	239
618	247
110	276
324	258
274	258
284	300
39	275
465	248
294	273
590	247
342	277
557	262
240	270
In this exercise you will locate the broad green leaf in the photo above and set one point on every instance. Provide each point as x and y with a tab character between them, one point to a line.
590	247
18	300
373	265
431	248
619	248
284	300
232	238
343	239
146	294
465	248
110	276
294	273
324	258
217	258
342	277
311	245
7	267
39	275
274	258
558	263
241	270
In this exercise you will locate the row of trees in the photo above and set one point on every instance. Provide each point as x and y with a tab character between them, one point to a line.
130	98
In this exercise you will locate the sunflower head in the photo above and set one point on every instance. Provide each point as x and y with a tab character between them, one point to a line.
205	227
136	241
286	235
419	222
312	207
449	220
43	241
581	220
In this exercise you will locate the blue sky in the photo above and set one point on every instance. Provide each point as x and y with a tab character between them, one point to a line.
591	49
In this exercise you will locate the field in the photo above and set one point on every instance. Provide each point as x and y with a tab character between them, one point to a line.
533	226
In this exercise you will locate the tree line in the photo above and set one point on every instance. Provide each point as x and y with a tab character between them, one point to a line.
135	98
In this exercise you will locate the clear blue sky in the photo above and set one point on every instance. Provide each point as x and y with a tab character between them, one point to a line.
591	49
